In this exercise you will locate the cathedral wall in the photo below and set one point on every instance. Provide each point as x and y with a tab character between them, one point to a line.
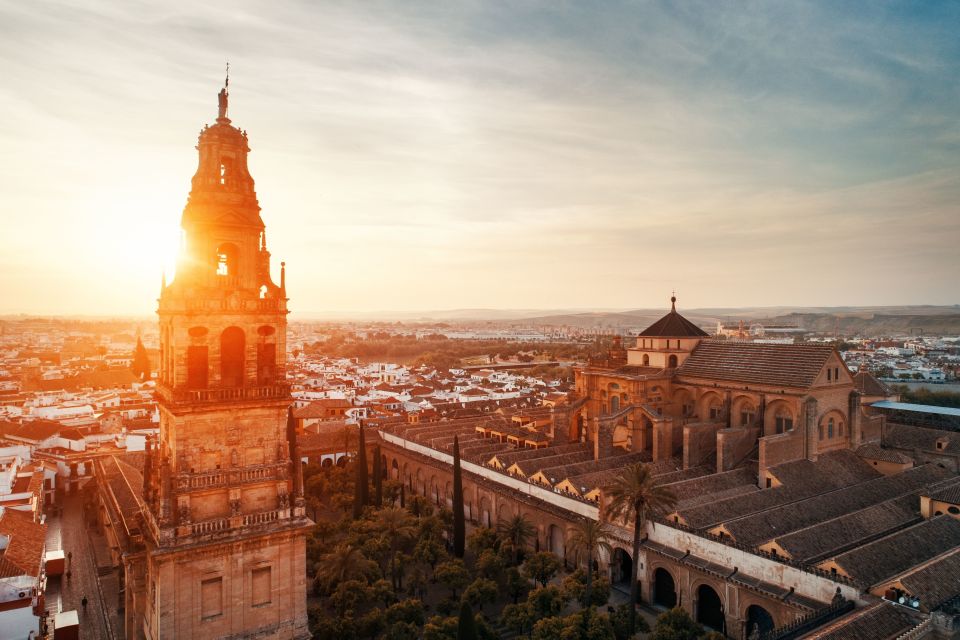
254	586
699	442
733	445
225	435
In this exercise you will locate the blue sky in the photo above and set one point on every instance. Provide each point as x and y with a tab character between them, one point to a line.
477	154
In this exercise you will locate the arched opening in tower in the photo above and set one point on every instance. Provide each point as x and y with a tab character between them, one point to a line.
227	259
231	357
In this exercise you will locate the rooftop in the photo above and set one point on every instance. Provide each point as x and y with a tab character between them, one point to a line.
917	408
673	325
781	365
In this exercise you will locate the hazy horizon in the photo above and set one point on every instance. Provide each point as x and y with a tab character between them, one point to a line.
415	156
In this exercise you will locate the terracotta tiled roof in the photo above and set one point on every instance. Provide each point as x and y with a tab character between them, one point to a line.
876	452
36	430
321	408
673	325
839	534
868	385
935	583
890	556
909	437
759	528
883	621
949	494
616	461
801	479
782	365
24	552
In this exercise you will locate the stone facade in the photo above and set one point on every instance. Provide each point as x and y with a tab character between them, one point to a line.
224	546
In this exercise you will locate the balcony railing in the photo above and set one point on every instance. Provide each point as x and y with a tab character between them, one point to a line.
263	517
225	394
209	526
215	305
224	477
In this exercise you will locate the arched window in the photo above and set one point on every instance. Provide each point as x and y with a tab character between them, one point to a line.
266	355
672	362
197	358
783	421
747	414
646	360
614	404
197	367
227	259
232	362
830	428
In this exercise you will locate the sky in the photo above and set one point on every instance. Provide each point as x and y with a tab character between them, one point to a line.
537	155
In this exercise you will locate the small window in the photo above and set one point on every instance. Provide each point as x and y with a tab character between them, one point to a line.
830	428
953	510
211	598
828	375
769	483
820	432
260	588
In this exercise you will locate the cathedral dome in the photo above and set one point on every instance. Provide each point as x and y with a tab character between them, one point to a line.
673	325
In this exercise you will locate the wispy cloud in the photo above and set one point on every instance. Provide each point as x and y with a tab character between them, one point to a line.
427	155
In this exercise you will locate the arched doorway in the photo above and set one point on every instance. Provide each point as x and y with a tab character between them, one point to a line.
621	568
395	470
556	540
231	357
758	618
485	520
664	589
709	608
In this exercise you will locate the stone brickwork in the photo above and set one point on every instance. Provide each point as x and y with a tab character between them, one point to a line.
224	510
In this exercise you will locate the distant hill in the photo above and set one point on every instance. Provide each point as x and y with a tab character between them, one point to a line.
898	320
867	320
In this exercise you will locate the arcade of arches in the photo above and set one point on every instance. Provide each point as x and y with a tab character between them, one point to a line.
664	582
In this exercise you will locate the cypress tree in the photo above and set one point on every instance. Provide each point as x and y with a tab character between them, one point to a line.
361	492
377	479
403	496
467	625
141	361
459	523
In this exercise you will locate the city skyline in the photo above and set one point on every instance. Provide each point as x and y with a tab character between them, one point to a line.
479	157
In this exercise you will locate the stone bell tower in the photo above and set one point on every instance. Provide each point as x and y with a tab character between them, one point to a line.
224	513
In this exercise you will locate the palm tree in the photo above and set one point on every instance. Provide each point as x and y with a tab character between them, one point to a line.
340	564
516	531
395	525
590	537
636	495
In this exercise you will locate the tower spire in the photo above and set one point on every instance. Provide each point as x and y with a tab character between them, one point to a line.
673	301
223	96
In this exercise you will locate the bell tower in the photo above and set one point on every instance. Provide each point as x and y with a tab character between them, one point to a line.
224	510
